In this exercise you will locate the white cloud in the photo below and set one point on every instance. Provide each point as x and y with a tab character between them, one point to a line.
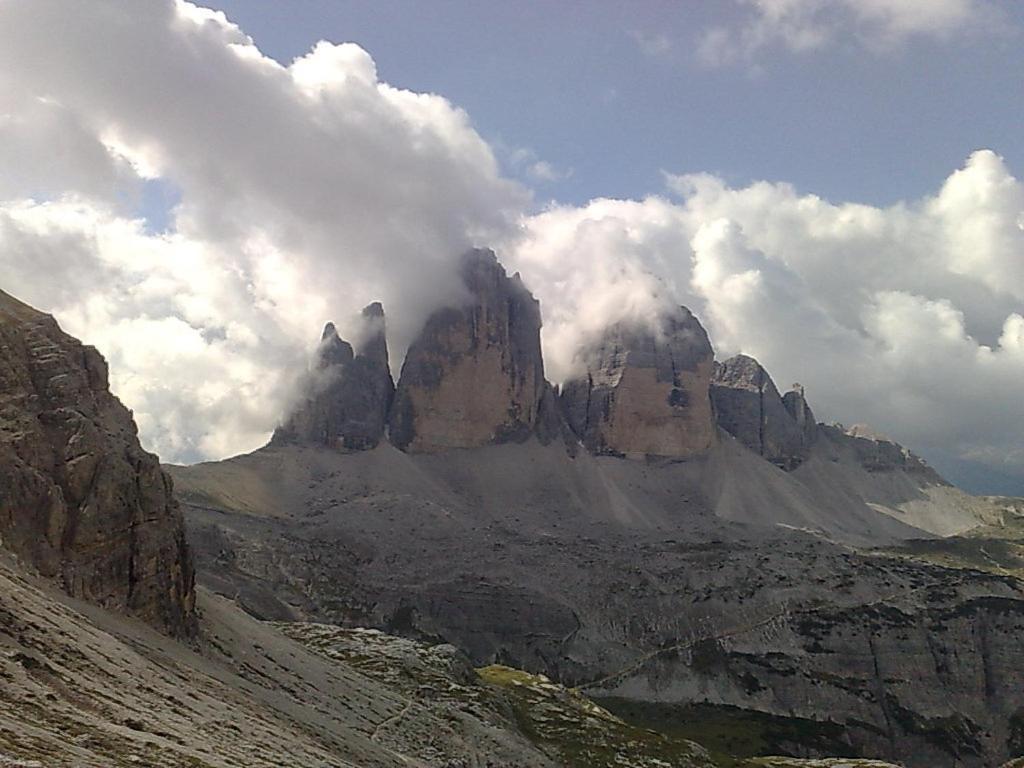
801	26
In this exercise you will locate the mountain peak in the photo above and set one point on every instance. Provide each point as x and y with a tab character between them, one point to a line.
475	374
645	390
749	407
346	397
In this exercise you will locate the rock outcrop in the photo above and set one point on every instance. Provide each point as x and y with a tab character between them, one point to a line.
475	374
347	394
645	391
80	500
749	407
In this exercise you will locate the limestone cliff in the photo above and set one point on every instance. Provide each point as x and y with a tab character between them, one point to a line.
475	374
347	394
748	406
645	391
79	499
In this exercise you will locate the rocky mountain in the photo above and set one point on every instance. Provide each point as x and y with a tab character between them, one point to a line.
697	545
80	501
475	375
749	407
645	391
86	688
347	394
622	577
86	513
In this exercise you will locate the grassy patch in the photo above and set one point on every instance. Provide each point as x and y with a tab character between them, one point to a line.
731	735
581	734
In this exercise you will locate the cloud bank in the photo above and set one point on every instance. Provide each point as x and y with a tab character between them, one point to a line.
308	190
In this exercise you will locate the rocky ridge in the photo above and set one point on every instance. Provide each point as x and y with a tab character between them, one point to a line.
80	501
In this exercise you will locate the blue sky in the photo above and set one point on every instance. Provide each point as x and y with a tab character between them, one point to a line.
575	83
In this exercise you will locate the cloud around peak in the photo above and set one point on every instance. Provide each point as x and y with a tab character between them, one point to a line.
306	191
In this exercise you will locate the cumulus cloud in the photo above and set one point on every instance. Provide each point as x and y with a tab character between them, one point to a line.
306	191
801	26
907	317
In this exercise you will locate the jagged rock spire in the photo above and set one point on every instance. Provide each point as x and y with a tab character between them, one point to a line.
347	394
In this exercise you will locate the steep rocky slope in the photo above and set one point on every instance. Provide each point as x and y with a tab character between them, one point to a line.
645	391
79	499
86	688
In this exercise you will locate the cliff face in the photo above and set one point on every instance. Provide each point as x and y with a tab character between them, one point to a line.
348	393
475	374
748	406
645	391
79	499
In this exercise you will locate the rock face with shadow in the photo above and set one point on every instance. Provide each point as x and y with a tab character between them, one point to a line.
749	407
80	501
475	375
348	393
645	390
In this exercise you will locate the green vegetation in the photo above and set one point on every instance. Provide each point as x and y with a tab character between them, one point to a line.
997	549
731	735
580	734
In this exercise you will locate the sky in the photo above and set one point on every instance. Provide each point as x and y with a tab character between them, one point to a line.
830	185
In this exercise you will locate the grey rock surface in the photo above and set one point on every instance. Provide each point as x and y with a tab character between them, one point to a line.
80	501
633	579
85	688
